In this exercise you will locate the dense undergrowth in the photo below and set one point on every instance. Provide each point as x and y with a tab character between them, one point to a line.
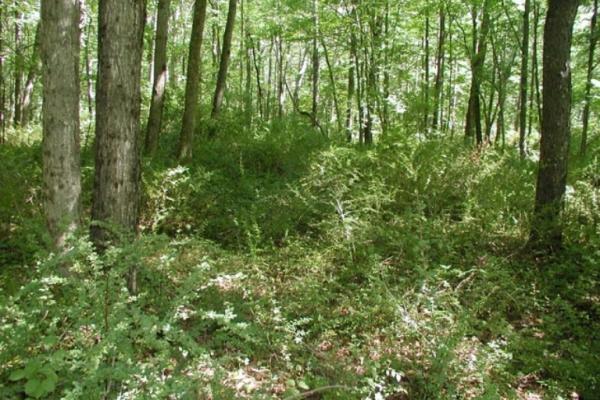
280	264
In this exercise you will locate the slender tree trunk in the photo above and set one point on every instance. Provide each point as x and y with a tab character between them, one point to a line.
257	68
192	87
536	74
160	76
546	231
351	90
32	74
426	77
523	85
315	63
385	121
473	125
223	66
2	81
338	113
60	114
280	76
588	85
116	199
18	68
440	63
300	77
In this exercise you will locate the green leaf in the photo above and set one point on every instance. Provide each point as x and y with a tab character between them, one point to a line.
17	375
34	388
50	340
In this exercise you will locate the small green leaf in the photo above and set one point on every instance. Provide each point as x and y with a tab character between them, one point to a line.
17	375
302	385
50	340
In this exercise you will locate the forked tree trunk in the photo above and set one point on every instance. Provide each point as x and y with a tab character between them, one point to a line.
223	67
60	116
160	76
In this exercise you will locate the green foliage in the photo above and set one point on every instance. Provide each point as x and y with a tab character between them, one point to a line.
279	262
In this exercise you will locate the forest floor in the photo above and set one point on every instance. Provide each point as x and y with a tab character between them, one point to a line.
280	264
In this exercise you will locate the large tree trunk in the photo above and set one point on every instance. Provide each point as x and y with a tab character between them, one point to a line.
588	85
60	110
523	85
116	201
223	67
554	147
192	85
160	76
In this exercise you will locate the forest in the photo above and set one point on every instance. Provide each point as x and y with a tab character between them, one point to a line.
299	199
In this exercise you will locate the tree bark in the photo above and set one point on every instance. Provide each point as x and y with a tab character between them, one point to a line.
116	198
546	229
223	67
192	86
60	114
2	81
588	84
160	76
523	85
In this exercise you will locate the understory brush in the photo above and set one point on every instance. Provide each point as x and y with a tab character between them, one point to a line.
280	264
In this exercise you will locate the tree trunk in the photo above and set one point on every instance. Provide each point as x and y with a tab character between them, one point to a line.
588	85
473	125
440	63
338	113
523	85
192	86
34	70
280	76
116	199
60	114
426	77
351	90
2	81
223	66
546	229
18	68
315	63
88	73
257	69
160	76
